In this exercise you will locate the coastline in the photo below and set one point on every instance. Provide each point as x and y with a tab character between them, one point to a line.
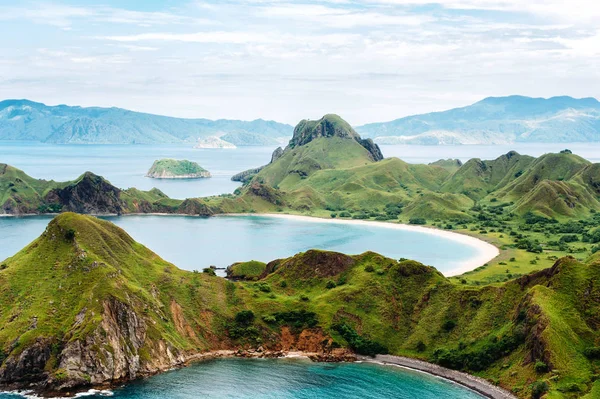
486	251
477	384
467	381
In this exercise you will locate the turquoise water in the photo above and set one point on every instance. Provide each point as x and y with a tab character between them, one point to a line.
290	379
193	243
125	165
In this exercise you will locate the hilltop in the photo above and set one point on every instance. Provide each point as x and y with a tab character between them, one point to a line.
62	124
85	305
496	120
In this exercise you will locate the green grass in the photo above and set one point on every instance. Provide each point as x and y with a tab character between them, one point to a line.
246	270
174	167
81	263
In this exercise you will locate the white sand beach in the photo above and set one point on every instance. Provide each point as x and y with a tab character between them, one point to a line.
485	251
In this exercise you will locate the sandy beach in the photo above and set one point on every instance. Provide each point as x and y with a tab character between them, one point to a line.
472	382
485	251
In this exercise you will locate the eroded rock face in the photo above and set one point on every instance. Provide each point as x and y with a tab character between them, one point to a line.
91	194
28	366
331	126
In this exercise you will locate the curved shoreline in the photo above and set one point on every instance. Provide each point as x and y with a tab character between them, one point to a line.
486	251
464	380
477	384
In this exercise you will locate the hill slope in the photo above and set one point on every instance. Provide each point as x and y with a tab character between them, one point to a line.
84	305
21	194
496	120
28	120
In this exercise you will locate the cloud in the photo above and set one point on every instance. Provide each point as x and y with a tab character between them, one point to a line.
290	59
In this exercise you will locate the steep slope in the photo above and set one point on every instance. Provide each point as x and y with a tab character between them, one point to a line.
477	178
327	143
496	120
85	304
28	120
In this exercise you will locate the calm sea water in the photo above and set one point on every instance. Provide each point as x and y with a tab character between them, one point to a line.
193	243
290	379
126	165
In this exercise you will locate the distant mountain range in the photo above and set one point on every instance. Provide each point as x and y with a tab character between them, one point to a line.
62	124
496	120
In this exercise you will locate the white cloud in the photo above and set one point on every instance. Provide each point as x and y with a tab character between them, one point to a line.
281	59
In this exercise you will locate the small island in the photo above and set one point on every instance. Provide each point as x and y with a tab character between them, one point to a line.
177	169
213	142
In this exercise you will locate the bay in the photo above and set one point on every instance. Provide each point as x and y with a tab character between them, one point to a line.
289	379
193	243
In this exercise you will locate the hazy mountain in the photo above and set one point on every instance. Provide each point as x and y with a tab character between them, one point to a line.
28	120
496	120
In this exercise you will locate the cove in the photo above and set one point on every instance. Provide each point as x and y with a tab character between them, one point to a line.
290	379
193	243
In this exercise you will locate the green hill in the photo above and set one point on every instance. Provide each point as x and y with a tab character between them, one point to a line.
21	194
84	305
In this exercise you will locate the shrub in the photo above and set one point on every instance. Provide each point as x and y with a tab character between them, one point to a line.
264	287
369	269
70	235
421	346
299	320
210	271
417	221
283	284
269	319
345	214
330	284
449	325
360	345
245	317
304	298
540	367
592	352
538	389
3	266
333	215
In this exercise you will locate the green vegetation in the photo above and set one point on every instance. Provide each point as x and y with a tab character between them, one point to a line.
21	194
251	270
533	334
173	168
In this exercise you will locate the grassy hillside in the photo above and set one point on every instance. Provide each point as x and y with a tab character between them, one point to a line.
85	304
21	194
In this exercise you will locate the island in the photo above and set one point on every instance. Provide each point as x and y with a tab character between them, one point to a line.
177	169
213	142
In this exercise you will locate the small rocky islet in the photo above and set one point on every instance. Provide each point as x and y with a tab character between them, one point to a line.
177	169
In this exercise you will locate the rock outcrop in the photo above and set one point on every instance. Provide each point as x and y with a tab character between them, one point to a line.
90	194
331	126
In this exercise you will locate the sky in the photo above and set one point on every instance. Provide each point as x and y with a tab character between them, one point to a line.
368	61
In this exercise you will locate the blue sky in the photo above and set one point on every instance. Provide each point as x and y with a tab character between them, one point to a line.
372	60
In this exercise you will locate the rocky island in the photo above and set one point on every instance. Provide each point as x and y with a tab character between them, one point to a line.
177	169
